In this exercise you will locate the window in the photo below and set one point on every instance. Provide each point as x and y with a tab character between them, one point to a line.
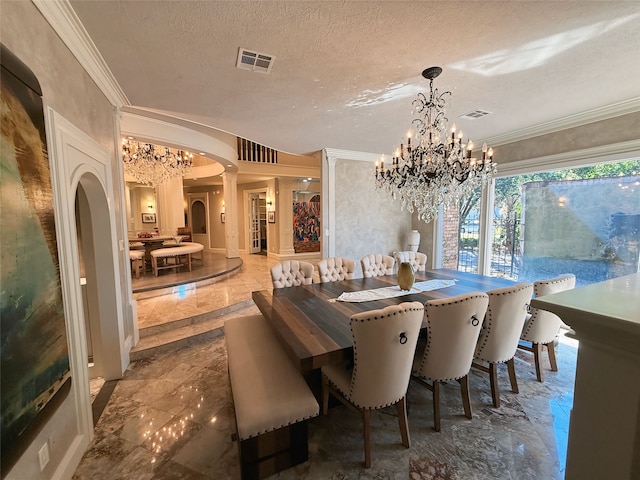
584	221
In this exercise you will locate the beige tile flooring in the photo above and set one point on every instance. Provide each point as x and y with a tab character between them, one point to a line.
204	297
171	416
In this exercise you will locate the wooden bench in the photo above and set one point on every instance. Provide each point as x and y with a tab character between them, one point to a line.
180	251
271	398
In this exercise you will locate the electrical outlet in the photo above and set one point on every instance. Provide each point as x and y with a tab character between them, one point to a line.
43	455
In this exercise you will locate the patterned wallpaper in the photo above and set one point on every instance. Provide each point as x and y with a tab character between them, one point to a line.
367	220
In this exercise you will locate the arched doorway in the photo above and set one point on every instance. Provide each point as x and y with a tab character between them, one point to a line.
85	208
199	220
97	279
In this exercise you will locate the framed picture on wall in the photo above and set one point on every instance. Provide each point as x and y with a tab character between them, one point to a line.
271	217
222	217
34	357
148	218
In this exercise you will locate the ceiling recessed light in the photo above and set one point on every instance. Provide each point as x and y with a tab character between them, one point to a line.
201	153
229	166
130	137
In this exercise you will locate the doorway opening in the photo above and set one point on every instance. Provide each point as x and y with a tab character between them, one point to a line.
258	222
97	282
199	216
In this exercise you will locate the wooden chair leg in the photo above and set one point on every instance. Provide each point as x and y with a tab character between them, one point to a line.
325	394
366	418
537	353
511	367
401	406
551	350
466	401
493	380
436	406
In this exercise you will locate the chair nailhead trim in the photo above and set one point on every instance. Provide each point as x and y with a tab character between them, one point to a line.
355	352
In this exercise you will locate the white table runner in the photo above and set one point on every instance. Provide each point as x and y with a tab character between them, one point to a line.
390	292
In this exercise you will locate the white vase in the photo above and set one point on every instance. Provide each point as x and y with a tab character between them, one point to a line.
414	240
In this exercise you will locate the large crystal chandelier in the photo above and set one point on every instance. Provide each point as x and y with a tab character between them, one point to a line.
438	168
152	164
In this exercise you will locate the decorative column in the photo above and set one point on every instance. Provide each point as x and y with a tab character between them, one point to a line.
328	205
230	184
170	206
284	215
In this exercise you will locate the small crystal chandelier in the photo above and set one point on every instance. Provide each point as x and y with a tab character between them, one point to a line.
438	169
152	164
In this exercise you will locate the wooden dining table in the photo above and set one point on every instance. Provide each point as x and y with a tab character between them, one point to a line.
150	244
313	326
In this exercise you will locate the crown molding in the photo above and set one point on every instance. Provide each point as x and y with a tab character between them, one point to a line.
351	155
576	158
603	113
67	25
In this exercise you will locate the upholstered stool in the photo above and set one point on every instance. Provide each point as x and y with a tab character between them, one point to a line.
137	261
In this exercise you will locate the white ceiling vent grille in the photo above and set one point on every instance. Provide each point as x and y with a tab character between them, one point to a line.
254	61
475	114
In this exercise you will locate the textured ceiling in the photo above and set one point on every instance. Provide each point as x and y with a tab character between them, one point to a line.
345	72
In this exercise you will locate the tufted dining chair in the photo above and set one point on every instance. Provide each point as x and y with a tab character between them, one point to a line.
291	273
335	269
375	265
417	260
453	326
384	344
500	334
542	327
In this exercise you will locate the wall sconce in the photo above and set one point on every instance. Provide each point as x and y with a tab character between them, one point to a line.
269	203
150	206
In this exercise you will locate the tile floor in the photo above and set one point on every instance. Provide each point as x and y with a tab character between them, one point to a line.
171	417
196	299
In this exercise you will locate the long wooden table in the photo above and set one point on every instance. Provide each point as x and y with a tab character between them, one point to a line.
314	328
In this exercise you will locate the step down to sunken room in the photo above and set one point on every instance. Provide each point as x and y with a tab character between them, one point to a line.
183	332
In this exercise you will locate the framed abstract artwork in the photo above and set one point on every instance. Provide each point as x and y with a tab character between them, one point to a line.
34	356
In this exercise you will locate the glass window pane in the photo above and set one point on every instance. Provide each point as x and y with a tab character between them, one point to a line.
584	221
469	232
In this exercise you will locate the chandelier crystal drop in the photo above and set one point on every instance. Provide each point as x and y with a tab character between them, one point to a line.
437	169
153	164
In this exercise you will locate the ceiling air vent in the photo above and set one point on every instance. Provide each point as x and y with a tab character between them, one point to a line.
254	61
475	114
